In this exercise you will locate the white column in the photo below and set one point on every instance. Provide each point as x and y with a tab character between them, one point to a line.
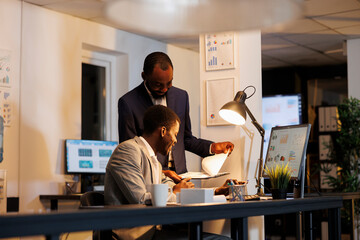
353	61
242	163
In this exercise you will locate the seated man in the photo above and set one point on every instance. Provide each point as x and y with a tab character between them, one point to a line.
133	165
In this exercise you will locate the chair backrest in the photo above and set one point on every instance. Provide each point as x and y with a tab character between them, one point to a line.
92	199
96	199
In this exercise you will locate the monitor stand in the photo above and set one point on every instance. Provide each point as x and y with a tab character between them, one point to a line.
299	184
302	178
299	215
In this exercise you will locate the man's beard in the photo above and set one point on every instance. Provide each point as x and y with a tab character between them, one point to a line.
154	94
164	147
157	96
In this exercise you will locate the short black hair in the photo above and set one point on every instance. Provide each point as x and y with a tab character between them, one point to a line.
156	58
158	116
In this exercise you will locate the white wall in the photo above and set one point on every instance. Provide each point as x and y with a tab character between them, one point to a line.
10	22
353	59
243	161
52	46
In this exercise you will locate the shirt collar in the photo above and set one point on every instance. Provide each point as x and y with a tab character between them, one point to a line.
148	147
159	101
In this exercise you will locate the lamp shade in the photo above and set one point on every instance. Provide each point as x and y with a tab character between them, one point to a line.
192	17
233	112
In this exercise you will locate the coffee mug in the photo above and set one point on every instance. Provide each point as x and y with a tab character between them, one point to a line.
159	194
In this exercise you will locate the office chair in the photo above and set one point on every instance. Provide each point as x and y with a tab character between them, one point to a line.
92	199
89	199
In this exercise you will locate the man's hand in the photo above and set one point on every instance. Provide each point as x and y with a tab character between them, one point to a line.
171	174
224	189
183	184
222	147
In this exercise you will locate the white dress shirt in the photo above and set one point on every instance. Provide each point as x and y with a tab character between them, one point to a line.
154	160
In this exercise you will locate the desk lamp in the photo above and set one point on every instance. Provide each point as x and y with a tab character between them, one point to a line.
235	113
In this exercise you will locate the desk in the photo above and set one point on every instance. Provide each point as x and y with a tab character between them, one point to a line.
52	224
54	199
347	196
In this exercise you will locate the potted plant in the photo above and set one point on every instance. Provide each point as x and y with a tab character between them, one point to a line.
345	152
279	176
345	157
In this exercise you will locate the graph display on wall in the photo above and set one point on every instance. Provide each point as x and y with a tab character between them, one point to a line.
219	51
218	92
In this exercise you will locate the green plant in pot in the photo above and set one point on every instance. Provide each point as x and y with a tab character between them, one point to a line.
345	157
345	152
279	176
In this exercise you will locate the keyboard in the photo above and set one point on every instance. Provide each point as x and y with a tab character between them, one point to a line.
251	197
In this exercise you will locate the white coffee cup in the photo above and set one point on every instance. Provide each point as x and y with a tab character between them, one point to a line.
159	194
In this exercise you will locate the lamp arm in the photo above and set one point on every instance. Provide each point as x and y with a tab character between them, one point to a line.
262	133
256	124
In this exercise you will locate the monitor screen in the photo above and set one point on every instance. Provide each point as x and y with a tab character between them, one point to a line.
280	110
88	156
288	144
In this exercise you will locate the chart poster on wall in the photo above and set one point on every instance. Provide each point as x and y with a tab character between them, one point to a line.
218	92
219	51
5	69
5	106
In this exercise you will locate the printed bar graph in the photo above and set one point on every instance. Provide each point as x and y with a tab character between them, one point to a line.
213	61
212	49
219	51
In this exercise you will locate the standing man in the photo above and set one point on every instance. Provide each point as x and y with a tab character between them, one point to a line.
156	89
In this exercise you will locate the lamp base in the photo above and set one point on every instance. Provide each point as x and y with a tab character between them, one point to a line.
260	192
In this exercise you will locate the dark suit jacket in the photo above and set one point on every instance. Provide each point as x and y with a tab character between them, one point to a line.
131	108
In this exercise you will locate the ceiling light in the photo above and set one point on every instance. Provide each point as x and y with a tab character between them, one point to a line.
192	17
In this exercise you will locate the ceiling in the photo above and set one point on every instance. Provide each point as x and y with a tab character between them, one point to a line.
318	38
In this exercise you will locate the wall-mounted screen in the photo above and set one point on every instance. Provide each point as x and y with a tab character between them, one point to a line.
280	110
88	156
288	145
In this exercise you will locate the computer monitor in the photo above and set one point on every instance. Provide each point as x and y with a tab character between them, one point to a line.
87	156
280	110
288	144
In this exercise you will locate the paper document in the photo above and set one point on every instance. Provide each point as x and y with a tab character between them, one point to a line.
212	164
201	175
